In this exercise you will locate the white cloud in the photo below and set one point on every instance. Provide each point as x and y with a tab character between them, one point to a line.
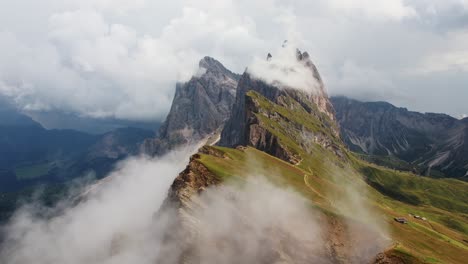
118	221
450	55
122	58
115	214
375	9
91	65
444	62
285	70
363	83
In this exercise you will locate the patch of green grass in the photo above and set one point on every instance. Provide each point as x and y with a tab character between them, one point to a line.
32	171
445	194
431	260
390	162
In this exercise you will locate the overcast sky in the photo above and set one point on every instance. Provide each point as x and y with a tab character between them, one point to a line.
121	58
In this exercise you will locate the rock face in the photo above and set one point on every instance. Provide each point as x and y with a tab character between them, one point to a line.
435	143
199	108
242	129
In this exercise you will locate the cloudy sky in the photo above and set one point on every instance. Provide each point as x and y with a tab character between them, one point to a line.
121	58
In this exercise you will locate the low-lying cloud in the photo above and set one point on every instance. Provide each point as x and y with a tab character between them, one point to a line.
354	201
250	220
115	222
256	222
115	214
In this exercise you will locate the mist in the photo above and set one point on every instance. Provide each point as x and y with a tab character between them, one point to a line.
119	220
125	219
254	221
364	225
115	213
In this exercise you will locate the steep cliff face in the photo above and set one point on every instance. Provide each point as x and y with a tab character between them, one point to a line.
199	108
435	143
246	128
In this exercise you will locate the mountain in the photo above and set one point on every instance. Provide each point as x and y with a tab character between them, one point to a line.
281	186
430	144
248	120
10	117
199	108
31	154
290	137
96	126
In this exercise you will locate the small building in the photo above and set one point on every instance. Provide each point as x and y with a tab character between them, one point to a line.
401	220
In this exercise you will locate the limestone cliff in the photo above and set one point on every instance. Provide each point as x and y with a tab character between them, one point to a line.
199	108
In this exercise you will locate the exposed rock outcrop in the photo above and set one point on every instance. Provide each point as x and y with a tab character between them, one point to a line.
199	108
179	209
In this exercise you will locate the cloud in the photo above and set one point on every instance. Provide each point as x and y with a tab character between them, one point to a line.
122	58
450	56
362	83
123	219
283	69
353	201
115	214
93	66
375	9
254	222
115	221
119	221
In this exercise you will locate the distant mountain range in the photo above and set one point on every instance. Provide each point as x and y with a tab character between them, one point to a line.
31	154
60	120
429	144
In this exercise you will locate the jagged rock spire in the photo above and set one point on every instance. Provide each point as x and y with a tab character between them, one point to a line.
199	108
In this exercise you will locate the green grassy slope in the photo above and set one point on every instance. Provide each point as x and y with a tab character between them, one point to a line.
323	177
438	240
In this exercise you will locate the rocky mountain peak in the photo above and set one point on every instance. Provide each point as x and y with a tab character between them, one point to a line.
199	108
245	128
210	68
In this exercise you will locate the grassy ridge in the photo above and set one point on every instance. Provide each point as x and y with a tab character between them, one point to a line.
321	177
423	241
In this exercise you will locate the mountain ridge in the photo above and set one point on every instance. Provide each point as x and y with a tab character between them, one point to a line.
432	144
285	135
